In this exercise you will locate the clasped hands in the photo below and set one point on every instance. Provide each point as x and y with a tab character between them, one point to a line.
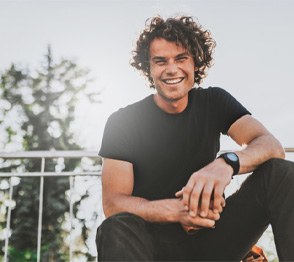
202	198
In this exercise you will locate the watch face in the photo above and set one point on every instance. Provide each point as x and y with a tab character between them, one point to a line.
232	157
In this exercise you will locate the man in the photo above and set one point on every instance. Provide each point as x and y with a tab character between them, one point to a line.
163	187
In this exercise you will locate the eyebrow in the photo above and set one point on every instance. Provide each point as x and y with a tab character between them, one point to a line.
163	58
182	54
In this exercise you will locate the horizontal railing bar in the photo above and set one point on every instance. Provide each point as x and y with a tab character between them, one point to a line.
40	174
49	154
62	154
289	149
70	154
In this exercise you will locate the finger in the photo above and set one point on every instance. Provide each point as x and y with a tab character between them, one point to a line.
193	230
223	203
212	215
186	193
205	199
179	193
194	198
190	228
218	199
203	222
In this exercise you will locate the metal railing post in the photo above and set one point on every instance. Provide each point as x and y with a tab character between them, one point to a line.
71	184
8	220
40	210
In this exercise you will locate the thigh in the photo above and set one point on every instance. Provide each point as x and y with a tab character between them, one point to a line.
170	242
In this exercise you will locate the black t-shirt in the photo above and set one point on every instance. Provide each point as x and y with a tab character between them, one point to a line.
165	149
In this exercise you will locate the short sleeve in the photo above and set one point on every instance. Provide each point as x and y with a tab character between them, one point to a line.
226	109
116	142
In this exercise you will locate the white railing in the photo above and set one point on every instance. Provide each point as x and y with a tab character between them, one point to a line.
43	155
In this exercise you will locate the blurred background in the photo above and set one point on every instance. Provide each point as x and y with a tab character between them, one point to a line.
64	68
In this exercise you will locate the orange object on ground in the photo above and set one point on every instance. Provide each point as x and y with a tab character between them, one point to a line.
255	255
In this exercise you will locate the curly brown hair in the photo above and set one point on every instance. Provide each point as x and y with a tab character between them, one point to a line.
181	30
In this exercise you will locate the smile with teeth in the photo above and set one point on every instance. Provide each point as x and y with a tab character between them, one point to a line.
173	81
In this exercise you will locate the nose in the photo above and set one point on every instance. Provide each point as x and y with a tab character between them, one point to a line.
171	68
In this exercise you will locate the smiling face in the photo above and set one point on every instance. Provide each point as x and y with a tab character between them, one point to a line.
172	70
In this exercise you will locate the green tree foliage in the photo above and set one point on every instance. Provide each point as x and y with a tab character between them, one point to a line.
36	113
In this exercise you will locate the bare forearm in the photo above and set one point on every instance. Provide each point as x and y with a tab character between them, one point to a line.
152	211
159	211
258	151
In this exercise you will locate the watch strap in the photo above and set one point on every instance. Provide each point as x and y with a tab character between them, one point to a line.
231	159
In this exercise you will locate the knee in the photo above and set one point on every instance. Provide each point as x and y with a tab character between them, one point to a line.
277	166
117	236
124	237
277	169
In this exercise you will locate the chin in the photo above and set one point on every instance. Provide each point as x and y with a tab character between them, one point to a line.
171	98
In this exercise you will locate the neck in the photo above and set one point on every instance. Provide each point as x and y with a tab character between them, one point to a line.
171	106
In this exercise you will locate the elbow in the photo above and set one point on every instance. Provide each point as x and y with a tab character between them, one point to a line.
106	212
282	153
107	207
279	151
111	205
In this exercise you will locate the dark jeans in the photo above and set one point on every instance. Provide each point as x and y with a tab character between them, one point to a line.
266	197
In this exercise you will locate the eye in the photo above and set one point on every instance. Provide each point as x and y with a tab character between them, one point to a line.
159	62
182	58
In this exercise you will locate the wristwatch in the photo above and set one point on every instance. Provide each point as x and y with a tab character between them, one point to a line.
231	159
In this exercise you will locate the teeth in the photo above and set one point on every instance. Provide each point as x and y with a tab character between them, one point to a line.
173	81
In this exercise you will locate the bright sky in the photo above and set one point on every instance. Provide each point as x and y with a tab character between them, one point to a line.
253	58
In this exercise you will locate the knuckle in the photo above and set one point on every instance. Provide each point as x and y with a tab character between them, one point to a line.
195	194
201	177
217	196
218	180
187	189
217	202
185	201
206	195
193	207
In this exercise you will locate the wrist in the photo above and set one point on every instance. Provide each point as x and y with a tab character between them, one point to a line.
162	211
172	210
227	168
232	160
